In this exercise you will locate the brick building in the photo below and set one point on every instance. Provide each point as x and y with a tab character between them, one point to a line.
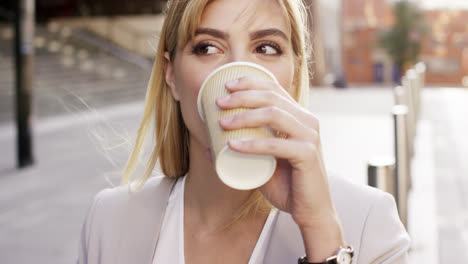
445	49
362	20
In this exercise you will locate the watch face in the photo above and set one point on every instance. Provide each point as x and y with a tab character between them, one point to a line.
344	258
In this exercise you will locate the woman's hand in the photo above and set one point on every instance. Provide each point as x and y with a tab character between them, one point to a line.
299	185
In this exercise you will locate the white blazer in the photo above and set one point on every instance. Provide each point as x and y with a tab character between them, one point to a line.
122	227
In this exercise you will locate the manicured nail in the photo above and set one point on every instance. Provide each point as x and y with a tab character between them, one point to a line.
232	83
224	99
227	119
235	143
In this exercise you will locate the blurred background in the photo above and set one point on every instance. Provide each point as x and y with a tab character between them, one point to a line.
389	85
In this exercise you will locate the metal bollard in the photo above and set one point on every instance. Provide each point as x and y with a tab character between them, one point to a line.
411	123
401	98
402	161
420	68
381	175
414	84
400	95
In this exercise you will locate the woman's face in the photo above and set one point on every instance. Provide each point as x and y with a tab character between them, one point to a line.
229	31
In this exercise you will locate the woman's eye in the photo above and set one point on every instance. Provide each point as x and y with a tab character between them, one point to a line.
268	49
205	49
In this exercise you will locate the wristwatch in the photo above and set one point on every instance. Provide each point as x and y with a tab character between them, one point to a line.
344	256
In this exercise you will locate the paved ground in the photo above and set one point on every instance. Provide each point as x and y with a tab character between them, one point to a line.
448	111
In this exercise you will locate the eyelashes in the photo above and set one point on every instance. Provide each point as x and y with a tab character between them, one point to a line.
263	48
205	48
267	48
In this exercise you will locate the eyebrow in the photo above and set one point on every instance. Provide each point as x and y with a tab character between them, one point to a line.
212	32
253	35
268	32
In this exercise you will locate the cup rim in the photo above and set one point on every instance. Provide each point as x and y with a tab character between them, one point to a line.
224	66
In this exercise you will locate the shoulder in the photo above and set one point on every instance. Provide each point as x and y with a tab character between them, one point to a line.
353	200
122	195
119	218
370	221
115	203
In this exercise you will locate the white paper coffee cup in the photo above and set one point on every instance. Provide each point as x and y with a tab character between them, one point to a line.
237	170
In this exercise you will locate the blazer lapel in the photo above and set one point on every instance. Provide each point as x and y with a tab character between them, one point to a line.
286	244
143	220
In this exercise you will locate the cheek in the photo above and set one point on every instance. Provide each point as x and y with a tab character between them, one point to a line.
188	83
284	73
285	78
190	76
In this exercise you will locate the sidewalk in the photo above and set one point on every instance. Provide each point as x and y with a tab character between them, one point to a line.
447	109
43	207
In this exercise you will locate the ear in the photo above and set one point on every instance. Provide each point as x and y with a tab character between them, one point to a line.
169	76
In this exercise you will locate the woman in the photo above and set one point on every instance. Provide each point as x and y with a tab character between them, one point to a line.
189	215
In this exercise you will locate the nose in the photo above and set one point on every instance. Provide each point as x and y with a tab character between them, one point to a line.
239	54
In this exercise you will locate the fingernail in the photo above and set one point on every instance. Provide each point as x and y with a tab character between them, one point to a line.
235	143
232	83
227	119
223	99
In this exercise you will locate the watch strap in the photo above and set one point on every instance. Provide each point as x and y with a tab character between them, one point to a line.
331	260
303	260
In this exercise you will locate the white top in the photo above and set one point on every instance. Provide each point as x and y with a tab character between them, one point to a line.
170	248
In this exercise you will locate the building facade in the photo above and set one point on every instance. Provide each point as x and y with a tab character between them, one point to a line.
444	49
361	22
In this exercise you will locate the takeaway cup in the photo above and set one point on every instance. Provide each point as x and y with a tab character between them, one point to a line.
237	170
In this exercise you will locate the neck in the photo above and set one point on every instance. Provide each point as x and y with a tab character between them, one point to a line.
208	201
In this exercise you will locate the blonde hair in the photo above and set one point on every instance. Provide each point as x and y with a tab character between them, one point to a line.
171	147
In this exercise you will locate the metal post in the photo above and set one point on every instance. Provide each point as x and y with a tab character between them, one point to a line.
413	82
420	68
401	98
24	61
411	123
400	95
381	175
400	113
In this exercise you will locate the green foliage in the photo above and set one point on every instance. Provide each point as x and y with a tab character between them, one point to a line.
403	41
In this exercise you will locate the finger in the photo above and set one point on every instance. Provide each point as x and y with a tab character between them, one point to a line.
259	99
299	153
256	99
272	117
276	96
302	156
251	83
